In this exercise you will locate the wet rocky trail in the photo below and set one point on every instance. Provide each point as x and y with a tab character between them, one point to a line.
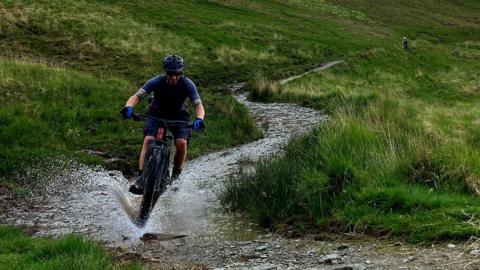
188	229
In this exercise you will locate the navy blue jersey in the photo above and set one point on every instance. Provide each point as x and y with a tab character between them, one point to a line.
170	101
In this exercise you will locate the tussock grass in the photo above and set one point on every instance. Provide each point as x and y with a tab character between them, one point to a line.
373	168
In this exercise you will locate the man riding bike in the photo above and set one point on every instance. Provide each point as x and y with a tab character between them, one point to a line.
170	93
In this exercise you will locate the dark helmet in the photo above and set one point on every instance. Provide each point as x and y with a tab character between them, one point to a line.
173	63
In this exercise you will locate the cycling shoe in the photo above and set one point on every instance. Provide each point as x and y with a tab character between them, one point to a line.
135	190
175	174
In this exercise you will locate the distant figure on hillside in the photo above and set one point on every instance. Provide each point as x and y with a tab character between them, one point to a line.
405	43
170	94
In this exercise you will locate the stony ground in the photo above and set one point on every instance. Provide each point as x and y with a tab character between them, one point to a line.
269	251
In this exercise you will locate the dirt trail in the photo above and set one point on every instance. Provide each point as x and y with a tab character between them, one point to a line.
188	230
317	69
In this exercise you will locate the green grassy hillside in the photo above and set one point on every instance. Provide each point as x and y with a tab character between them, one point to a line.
400	153
95	42
125	42
402	145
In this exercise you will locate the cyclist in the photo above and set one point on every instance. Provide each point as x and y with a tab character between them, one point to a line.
170	93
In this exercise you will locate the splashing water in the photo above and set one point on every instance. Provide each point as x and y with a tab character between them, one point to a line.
94	202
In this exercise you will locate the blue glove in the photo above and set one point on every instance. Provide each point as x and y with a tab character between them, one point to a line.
127	112
198	124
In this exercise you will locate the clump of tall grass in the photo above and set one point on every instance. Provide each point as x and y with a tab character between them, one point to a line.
264	88
244	56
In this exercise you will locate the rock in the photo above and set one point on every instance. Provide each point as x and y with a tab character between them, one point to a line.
160	236
474	252
261	248
266	266
408	259
331	258
451	246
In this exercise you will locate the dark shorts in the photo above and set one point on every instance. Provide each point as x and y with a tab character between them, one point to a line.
178	131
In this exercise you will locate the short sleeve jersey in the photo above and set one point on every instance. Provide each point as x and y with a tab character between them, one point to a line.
170	101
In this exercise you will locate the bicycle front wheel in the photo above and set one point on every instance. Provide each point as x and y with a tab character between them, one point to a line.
155	171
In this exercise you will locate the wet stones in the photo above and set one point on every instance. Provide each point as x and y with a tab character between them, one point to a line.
266	266
261	248
273	253
474	252
331	259
408	259
349	267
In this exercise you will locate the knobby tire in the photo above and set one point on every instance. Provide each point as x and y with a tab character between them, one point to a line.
155	179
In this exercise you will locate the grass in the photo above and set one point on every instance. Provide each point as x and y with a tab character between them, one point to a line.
399	155
374	169
70	111
224	47
106	50
400	149
21	251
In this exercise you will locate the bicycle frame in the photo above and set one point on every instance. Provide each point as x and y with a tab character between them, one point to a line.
156	173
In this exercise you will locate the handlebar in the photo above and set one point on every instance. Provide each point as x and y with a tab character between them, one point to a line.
165	122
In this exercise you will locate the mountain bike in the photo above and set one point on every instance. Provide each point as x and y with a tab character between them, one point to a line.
156	172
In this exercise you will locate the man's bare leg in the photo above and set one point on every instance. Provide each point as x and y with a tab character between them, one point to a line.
180	155
141	161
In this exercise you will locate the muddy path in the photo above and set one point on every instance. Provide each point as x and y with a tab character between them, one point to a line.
189	230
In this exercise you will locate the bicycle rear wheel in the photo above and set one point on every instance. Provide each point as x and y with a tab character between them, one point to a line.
155	172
